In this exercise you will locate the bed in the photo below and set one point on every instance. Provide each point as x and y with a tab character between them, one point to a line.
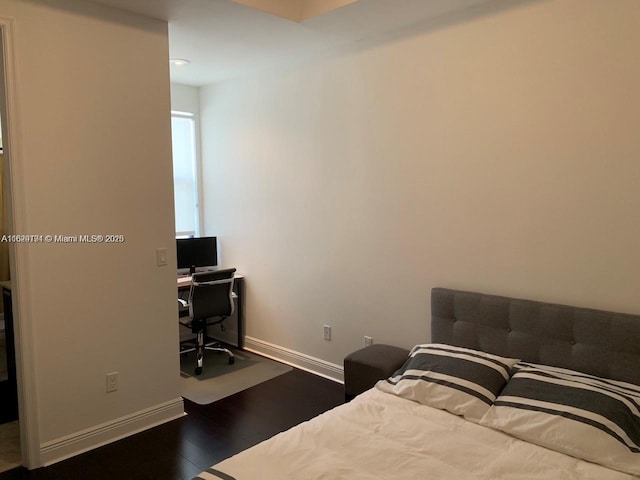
508	389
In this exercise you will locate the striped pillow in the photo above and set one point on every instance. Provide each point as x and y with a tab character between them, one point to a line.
581	415
459	380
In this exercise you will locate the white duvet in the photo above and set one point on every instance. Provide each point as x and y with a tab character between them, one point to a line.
380	436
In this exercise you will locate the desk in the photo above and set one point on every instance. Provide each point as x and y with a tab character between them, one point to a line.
234	325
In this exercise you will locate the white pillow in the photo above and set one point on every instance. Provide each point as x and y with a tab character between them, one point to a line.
581	415
460	380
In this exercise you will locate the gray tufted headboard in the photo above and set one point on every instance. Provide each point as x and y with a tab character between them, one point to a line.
601	343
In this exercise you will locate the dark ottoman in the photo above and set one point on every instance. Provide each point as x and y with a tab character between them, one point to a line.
364	367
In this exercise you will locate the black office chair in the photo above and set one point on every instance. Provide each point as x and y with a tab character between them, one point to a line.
211	301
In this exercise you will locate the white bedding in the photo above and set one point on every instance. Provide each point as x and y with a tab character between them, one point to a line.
381	436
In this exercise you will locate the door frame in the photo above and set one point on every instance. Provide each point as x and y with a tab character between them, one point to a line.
18	253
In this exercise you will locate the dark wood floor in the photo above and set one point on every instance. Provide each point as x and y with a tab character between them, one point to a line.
208	434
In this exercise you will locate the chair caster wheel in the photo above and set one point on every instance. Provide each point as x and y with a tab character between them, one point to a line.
232	360
198	370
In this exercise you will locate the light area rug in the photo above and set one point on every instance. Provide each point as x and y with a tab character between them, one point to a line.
9	446
219	379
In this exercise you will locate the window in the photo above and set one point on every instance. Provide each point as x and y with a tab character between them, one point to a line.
185	174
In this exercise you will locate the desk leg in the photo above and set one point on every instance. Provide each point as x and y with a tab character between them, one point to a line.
238	287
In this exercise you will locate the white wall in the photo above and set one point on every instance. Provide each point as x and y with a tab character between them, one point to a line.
92	155
185	98
495	152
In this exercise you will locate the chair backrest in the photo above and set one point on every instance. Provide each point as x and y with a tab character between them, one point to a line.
211	294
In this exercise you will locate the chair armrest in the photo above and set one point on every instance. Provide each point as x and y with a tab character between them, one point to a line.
183	302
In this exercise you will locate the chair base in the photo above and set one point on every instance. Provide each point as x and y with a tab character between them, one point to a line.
200	347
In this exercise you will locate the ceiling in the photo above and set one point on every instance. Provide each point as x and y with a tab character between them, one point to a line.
225	39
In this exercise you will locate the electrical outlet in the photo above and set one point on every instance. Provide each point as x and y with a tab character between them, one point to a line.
368	341
327	332
112	382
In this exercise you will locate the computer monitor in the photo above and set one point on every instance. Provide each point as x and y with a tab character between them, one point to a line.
196	253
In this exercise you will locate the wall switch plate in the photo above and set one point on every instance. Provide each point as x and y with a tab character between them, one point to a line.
368	341
327	332
112	382
162	257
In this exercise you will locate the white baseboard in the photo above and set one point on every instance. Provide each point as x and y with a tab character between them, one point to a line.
80	442
299	360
